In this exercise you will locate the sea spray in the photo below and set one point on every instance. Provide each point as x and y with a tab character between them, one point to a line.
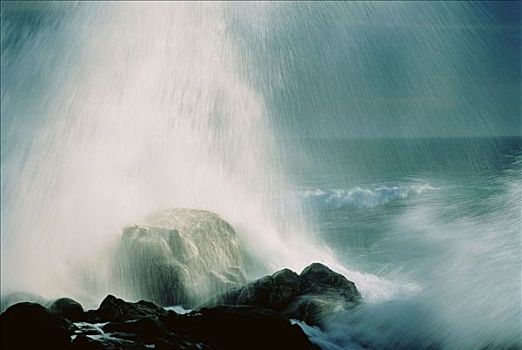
147	111
461	254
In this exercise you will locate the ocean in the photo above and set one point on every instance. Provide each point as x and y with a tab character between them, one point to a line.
435	224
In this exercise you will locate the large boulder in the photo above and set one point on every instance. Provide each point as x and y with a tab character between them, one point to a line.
323	292
11	299
67	308
114	309
31	326
318	279
311	296
180	256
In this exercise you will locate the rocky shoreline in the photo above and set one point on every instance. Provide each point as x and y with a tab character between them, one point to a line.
254	316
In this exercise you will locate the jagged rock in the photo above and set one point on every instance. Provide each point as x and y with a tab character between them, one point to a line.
323	293
318	279
83	342
113	309
67	308
180	257
257	318
220	327
272	292
315	293
118	324
242	327
125	325
147	329
31	326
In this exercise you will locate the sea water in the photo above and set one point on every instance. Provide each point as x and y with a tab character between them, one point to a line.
439	217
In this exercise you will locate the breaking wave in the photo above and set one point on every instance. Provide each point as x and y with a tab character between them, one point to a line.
362	197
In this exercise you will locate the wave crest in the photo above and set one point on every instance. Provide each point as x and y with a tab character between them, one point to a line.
361	197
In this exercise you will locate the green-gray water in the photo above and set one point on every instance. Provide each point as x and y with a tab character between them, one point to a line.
440	215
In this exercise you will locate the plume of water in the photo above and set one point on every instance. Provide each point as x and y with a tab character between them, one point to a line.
148	111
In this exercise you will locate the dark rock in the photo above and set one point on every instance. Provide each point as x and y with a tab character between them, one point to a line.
318	279
151	331
32	326
323	293
19	297
180	257
313	309
67	308
178	344
273	292
83	342
113	309
145	325
243	327
146	330
311	296
221	327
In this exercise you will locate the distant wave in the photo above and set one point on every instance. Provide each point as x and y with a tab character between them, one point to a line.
362	197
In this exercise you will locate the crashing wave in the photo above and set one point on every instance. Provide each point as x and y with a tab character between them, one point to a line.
362	197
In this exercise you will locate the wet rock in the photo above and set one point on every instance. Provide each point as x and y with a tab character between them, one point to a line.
311	296
31	326
324	292
18	297
220	327
257	317
318	279
152	331
145	330
113	309
180	344
83	342
273	292
118	324
180	257
67	308
243	327
314	309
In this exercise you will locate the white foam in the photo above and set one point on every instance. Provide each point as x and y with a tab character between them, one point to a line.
467	279
362	197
